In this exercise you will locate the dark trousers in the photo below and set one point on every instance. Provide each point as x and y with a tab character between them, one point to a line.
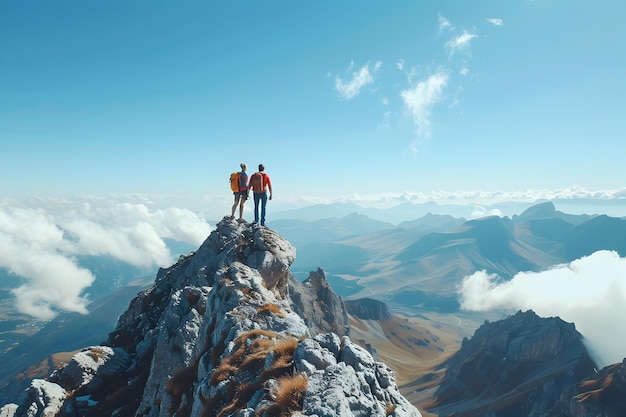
262	197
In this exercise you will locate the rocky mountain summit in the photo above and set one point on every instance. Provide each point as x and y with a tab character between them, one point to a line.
225	331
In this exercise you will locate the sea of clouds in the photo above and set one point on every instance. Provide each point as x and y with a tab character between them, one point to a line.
589	292
40	239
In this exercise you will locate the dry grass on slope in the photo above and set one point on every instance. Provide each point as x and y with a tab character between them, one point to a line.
45	367
288	397
411	347
248	363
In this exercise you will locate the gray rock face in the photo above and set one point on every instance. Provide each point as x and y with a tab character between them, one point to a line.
368	309
354	386
87	368
319	306
219	334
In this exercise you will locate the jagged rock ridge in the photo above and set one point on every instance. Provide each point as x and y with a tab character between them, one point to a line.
219	334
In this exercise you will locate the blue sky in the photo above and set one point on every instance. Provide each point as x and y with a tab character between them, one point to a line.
335	98
120	121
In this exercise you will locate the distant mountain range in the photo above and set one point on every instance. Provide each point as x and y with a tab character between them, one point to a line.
420	263
394	215
410	211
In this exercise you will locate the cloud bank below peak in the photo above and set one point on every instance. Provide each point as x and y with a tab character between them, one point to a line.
572	193
589	292
41	245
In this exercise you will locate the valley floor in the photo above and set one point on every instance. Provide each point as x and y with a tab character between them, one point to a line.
415	346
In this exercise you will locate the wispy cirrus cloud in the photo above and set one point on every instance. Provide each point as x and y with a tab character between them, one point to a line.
460	42
420	99
351	88
444	24
40	244
495	21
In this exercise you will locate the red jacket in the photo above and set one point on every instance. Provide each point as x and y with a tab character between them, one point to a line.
260	186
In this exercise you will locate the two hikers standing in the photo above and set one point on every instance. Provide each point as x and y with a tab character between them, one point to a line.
259	184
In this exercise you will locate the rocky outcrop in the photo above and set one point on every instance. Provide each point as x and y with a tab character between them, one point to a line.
601	395
523	366
368	309
220	334
320	307
43	399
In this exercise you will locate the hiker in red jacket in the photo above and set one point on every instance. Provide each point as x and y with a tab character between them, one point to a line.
259	184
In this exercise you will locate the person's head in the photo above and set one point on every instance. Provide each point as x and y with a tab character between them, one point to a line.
243	166
261	167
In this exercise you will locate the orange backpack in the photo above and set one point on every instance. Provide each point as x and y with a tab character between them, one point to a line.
234	181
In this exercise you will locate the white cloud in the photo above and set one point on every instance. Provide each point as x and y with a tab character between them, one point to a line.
55	283
444	24
139	245
461	42
28	247
497	22
480	211
40	243
400	64
421	99
572	193
361	78
180	224
589	292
